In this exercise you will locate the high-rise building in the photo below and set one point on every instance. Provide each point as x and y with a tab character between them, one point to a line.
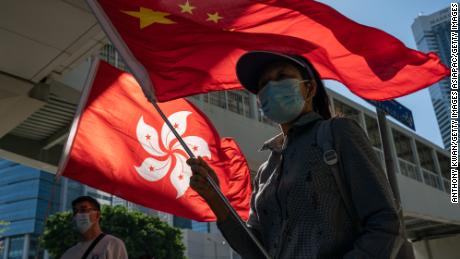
28	196
25	201
184	223
432	34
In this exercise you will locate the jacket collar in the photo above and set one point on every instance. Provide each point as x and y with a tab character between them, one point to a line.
276	142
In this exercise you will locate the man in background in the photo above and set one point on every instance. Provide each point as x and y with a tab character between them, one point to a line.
94	243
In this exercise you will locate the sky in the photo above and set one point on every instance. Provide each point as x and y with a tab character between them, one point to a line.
395	17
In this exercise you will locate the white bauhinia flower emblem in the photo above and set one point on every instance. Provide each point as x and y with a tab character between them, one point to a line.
169	156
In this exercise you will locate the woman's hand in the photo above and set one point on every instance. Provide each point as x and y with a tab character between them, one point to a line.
198	180
199	183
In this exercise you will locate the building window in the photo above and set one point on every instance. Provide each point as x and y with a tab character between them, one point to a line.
203	227
196	97
205	98
218	99
33	248
102	197
342	109
374	137
373	131
237	103
425	156
109	54
16	247
444	164
2	246
428	168
406	156
183	223
403	146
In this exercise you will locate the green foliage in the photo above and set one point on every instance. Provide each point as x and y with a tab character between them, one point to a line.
59	233
144	236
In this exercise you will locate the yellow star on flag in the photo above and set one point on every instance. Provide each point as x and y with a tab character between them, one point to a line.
214	17
148	16
187	8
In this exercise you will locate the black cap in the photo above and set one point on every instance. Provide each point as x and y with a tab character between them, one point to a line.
89	199
252	64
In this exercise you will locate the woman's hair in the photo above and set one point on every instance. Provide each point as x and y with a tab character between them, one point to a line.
321	99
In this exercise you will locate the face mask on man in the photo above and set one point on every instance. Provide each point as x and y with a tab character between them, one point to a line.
82	222
281	101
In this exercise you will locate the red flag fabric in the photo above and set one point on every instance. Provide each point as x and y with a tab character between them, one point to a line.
177	48
121	145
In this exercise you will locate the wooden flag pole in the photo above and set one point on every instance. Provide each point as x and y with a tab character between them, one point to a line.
213	184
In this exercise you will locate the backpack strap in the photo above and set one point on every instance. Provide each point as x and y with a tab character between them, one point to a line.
92	245
325	140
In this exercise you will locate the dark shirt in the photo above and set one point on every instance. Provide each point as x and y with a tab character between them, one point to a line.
296	208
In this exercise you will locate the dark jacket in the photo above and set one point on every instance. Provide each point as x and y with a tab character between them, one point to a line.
296	208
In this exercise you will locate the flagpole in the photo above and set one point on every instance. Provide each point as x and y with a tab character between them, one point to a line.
213	184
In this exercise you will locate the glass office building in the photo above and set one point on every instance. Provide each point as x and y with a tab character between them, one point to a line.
179	222
27	196
432	34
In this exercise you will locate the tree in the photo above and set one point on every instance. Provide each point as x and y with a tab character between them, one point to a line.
144	236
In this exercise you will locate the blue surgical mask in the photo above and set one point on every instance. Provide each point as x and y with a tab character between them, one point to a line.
82	222
281	101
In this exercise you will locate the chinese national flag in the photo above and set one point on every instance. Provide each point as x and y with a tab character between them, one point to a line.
120	144
177	48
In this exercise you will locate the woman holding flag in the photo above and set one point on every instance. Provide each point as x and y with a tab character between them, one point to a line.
298	207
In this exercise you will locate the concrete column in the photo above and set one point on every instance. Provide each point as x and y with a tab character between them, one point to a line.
25	250
387	151
417	158
226	100
437	166
116	57
393	149
253	107
46	255
332	106
363	122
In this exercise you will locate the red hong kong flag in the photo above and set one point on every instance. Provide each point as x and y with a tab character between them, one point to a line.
120	144
177	48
